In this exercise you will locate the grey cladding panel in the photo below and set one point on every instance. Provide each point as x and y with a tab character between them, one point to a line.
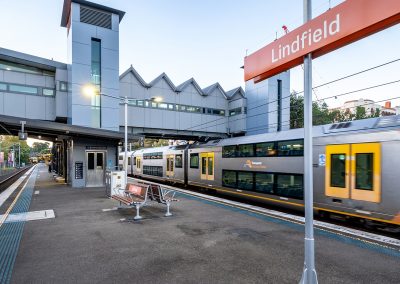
96	18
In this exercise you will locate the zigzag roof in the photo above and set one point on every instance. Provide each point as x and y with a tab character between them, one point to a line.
204	92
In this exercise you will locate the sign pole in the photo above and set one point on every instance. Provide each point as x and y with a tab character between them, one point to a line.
309	272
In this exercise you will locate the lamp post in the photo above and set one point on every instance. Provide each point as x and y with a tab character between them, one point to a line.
91	91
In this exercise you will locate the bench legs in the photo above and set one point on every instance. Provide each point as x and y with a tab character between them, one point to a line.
168	213
137	217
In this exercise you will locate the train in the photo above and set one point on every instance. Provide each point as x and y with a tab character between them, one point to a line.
356	166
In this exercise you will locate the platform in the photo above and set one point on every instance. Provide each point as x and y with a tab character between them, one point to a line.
203	242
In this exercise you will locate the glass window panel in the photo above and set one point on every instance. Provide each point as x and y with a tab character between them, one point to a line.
3	87
131	102
194	161
139	103
364	171
48	92
171	106
134	161
229	178
229	151
129	161
153	104
245	180
289	186
210	166
204	165
11	66
163	105
265	183
338	170
266	149
290	148
90	161
246	150
146	103
99	161
96	50
168	167
63	86
183	108
178	161
23	89
222	112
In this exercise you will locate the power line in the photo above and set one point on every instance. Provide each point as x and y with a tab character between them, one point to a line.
347	93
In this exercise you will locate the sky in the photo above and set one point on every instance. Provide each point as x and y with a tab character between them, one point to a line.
207	40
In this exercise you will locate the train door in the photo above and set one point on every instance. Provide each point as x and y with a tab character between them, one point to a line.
207	166
354	171
170	166
138	164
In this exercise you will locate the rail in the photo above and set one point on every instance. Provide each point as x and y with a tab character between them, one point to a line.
12	176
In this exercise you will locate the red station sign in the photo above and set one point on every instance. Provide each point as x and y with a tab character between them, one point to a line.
339	26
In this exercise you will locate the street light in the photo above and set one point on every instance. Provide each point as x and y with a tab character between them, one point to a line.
90	91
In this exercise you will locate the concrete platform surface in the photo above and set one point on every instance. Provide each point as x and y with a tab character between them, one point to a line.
204	242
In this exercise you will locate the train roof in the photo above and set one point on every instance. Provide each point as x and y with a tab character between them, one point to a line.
355	126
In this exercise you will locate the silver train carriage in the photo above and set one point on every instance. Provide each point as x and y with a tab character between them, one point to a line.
355	167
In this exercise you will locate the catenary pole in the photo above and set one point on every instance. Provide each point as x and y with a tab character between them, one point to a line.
309	273
126	138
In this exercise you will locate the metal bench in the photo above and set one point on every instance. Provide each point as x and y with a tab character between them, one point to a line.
133	195
162	196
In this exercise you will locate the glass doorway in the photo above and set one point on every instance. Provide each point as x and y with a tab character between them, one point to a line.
95	168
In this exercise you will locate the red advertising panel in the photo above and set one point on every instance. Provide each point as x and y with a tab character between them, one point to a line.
339	26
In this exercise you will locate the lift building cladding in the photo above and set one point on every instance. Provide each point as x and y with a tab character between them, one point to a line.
308	37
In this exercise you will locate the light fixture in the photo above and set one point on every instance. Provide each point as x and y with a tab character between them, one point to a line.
89	90
157	99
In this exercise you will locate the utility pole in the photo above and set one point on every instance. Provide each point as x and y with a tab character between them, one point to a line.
309	272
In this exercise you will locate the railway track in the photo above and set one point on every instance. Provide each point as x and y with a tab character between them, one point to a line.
7	180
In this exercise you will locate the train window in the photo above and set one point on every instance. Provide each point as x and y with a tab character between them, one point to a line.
178	161
291	148
265	149
364	171
246	150
289	186
203	165
338	170
265	183
245	180
134	161
121	158
129	161
210	166
229	151
194	161
229	178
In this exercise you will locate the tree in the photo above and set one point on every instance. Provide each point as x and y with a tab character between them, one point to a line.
40	147
296	111
7	143
360	113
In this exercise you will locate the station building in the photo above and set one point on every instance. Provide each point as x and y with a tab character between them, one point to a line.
87	129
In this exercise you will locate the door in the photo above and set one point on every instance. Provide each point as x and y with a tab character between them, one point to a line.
170	166
337	171
95	168
207	166
138	164
366	172
354	171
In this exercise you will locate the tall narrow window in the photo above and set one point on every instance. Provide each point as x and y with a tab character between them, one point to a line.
279	105
96	81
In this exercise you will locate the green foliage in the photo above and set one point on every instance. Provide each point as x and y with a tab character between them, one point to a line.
322	114
7	143
41	147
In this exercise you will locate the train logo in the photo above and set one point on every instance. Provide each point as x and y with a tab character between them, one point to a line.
254	165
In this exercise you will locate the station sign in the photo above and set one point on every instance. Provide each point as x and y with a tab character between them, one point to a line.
349	21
